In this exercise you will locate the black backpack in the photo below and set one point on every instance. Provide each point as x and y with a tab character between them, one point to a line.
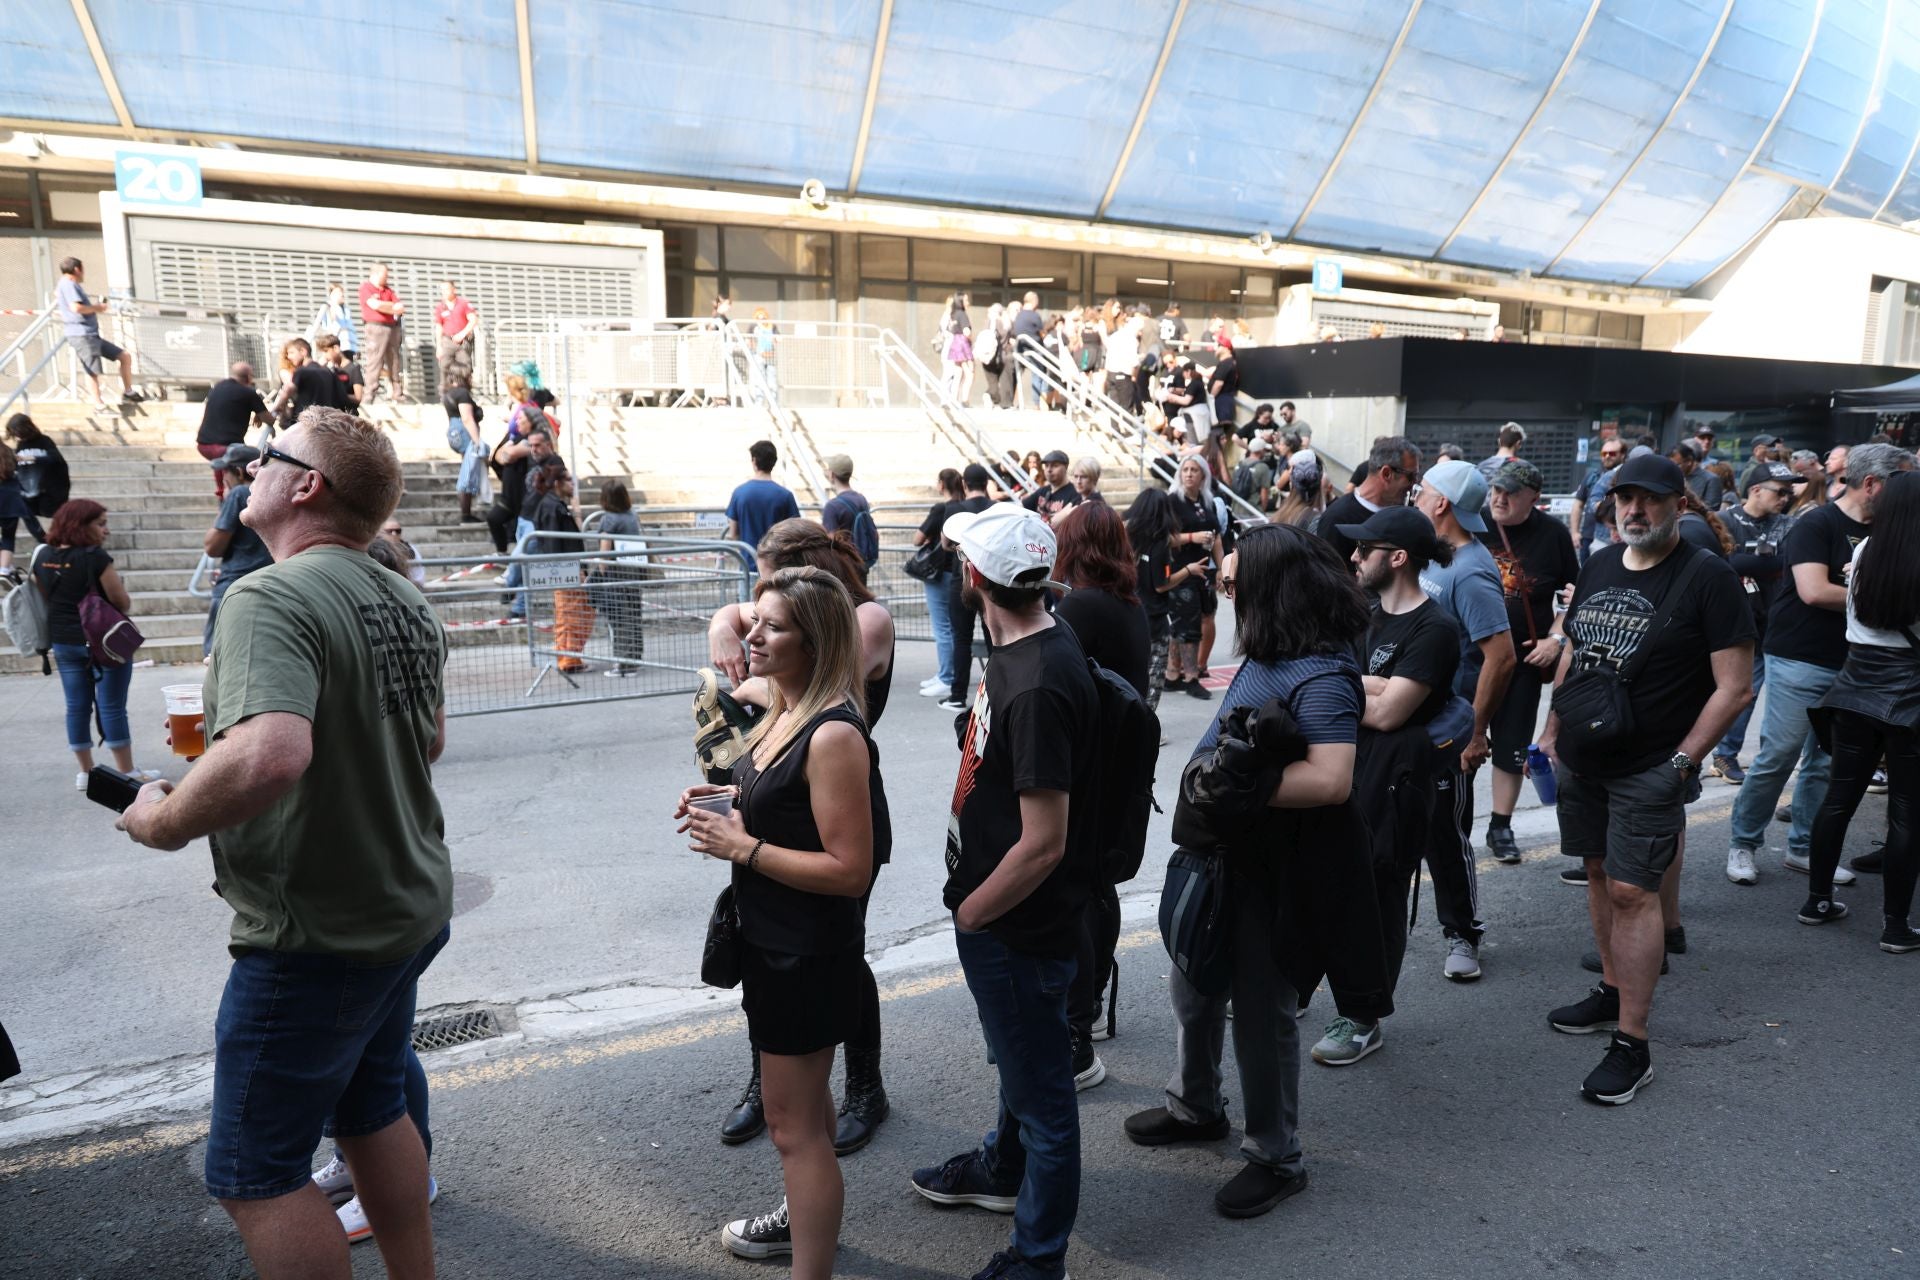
864	532
1129	736
1243	481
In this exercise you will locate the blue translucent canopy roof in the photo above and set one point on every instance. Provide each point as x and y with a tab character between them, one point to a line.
1628	141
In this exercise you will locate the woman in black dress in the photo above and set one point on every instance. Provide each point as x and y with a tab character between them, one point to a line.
802	839
790	544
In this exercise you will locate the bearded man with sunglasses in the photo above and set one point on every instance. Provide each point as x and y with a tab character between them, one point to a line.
326	682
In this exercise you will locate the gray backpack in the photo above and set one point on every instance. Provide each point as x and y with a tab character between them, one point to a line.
23	610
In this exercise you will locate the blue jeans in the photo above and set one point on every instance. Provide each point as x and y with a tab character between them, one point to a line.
942	622
1022	1001
88	687
1786	735
306	1045
522	530
1737	732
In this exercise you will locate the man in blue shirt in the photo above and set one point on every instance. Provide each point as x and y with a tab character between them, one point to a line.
1453	495
80	314
761	502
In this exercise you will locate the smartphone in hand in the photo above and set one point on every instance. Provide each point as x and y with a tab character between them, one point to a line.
112	788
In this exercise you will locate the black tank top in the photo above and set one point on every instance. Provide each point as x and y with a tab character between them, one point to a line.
777	806
879	688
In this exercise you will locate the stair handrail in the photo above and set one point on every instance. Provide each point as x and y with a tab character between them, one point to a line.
796	442
1107	416
17	352
948	414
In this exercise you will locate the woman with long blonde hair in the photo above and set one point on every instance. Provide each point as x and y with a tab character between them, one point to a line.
803	834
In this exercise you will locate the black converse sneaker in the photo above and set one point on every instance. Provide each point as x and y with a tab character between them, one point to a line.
1622	1073
1600	1011
1899	938
760	1237
1822	911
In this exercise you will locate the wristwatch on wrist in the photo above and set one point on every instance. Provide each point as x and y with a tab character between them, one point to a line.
1683	762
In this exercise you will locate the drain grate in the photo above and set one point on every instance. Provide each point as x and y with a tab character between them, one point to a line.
454	1028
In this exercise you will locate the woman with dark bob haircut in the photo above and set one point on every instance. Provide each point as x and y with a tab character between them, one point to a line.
1872	712
1298	614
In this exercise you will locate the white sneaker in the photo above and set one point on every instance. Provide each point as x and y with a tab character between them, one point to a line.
353	1219
80	783
932	687
1463	960
1740	868
1798	862
335	1180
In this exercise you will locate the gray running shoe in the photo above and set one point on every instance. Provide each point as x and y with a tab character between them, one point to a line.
1346	1042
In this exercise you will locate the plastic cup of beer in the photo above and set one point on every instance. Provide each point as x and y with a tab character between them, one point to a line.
186	720
720	805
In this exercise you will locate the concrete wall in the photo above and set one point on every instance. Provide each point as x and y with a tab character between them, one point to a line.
1344	427
1804	292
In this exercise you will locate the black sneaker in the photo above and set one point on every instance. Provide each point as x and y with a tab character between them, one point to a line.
1088	1070
1622	1073
1871	863
1197	690
1576	874
1256	1189
1159	1127
1783	814
1591	963
1898	938
1007	1266
1501	845
1600	1011
1175	686
761	1237
964	1180
1677	940
1821	911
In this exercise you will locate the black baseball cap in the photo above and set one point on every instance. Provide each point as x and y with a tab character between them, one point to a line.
1405	527
1784	474
1651	472
1769	441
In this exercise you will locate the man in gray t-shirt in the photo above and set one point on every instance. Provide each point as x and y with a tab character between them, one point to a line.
79	318
238	548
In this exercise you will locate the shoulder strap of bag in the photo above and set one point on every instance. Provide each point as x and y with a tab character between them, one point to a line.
1665	613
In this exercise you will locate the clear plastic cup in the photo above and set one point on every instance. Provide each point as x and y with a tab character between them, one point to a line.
720	804
186	719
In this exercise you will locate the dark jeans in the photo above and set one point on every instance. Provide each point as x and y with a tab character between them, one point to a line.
1093	966
1456	885
1022	1001
1859	741
500	523
963	622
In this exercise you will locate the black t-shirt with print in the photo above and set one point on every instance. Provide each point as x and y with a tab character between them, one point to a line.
1421	644
1802	632
1612	608
1195	515
1049	503
1031	729
1541	562
68	575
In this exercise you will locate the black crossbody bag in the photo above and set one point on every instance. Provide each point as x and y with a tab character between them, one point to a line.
1593	703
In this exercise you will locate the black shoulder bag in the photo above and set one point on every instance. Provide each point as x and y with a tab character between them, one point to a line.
1593	702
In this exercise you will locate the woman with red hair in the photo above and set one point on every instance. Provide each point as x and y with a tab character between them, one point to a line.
1095	559
75	566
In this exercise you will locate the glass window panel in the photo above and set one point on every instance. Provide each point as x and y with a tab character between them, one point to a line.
883	257
1131	279
1613	325
1004	105
1581	323
50	75
800	253
16	202
1823	116
1880	157
1206	282
1043	268
428	75
1755	201
1550	320
956	262
687	247
1462	88
806	301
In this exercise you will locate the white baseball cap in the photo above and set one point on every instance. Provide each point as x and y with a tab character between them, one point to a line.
1003	542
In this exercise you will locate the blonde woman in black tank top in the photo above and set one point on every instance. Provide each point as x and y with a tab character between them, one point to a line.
802	841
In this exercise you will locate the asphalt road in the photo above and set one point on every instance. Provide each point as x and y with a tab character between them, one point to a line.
1775	1140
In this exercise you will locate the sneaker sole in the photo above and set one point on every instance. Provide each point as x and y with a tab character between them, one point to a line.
1618	1099
1581	883
1839	913
1092	1076
1374	1046
1505	861
1461	977
1899	948
1586	1030
741	1247
992	1204
1293	1188
1841	876
1734	879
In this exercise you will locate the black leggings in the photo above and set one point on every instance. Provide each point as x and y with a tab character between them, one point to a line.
1859	742
9	525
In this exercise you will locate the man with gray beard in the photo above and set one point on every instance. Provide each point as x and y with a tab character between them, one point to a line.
1659	663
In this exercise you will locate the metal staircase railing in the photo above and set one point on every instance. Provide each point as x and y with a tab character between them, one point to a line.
948	415
28	365
1092	411
789	429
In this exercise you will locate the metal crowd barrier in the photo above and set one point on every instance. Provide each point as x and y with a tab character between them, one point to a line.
585	625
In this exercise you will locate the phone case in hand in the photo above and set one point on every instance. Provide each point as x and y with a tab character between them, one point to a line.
111	788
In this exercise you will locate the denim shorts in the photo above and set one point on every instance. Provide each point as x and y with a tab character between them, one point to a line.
305	1046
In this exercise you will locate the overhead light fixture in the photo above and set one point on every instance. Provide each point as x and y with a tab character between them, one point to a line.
1152	280
1032	279
1262	240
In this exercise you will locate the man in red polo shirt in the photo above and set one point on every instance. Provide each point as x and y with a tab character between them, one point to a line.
380	312
456	319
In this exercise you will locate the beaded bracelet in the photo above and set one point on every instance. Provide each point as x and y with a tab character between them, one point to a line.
755	855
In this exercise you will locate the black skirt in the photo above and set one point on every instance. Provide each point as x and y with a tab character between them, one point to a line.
800	1004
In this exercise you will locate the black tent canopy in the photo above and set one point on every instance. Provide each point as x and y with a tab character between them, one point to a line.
1894	397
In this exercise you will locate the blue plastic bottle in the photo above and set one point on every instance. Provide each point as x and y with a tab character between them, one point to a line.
1540	769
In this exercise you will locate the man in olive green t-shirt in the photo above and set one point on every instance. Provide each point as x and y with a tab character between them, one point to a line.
324	714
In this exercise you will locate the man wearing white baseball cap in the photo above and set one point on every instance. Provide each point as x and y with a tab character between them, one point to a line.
1018	872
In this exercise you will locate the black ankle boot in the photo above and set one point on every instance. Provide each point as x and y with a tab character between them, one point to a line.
866	1104
748	1120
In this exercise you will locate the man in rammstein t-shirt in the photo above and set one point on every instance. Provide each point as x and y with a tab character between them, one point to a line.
325	710
1019	867
1622	801
1805	647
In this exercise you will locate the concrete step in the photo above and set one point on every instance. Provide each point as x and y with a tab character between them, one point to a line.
159	650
